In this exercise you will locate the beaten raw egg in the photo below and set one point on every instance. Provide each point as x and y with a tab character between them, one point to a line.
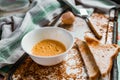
48	47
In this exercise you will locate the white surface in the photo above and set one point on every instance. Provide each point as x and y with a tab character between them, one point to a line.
54	33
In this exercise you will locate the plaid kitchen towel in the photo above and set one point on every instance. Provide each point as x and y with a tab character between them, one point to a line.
13	28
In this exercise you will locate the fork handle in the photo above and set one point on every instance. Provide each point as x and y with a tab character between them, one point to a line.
94	29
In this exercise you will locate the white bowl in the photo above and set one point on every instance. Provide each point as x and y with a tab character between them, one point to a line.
54	33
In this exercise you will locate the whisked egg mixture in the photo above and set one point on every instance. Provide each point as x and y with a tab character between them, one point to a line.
48	47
